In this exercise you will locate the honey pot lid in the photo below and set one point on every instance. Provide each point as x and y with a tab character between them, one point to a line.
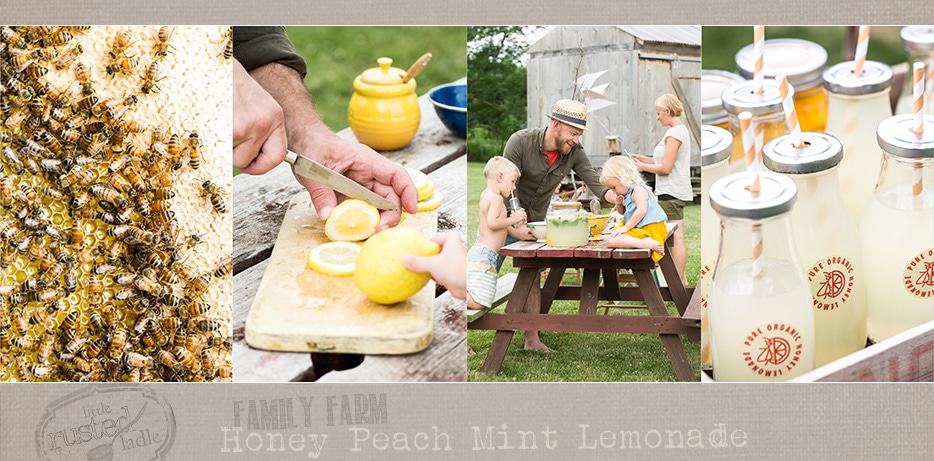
896	136
716	145
821	152
384	74
730	196
841	79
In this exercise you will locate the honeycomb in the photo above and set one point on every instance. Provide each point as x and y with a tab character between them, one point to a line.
115	234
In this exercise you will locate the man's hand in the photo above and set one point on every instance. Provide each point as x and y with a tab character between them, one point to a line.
259	141
308	135
522	233
448	268
363	165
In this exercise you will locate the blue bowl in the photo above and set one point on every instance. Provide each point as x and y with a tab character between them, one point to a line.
450	101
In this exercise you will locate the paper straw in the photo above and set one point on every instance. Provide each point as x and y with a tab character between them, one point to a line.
918	68
748	128
758	48
788	104
862	47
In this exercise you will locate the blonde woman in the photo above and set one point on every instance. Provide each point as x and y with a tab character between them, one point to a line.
643	223
671	163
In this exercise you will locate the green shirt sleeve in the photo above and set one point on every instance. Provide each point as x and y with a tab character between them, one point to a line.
258	46
513	150
583	168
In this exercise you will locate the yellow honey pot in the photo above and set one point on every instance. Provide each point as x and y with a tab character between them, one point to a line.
384	112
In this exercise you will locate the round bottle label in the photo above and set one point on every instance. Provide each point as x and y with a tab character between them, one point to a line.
918	276
773	349
831	281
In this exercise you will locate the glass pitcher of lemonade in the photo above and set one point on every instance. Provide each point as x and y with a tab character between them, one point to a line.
857	105
828	246
897	230
919	43
803	62
716	146
766	109
761	324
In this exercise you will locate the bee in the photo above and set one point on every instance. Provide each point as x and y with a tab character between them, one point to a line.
137	181
6	194
194	150
124	295
228	47
58	37
118	164
41	371
162	45
21	61
151	78
79	177
104	192
10	158
45	348
137	360
130	101
39	317
96	321
157	335
36	249
208	325
166	358
81	364
194	309
150	286
215	194
65	59
93	348
15	118
87	104
5	339
187	359
11	37
121	42
120	183
121	65
225	371
75	345
161	212
71	280
24	342
118	340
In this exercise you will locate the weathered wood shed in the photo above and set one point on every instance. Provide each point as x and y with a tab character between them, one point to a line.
644	62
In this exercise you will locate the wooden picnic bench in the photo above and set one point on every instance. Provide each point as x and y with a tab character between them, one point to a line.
529	303
259	207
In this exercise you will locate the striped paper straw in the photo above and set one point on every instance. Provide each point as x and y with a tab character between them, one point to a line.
862	47
758	48
748	128
918	68
788	104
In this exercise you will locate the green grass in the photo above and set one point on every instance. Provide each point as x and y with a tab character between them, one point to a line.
720	44
580	356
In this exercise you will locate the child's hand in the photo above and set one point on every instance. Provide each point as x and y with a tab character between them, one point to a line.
517	217
617	232
448	268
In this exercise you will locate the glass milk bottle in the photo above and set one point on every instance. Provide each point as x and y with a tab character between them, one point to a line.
803	62
761	324
713	83
897	230
828	247
919	42
716	146
857	105
765	109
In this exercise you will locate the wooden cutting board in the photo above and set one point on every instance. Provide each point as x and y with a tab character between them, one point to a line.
298	309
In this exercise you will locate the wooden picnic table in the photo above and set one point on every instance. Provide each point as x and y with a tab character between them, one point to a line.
528	306
259	206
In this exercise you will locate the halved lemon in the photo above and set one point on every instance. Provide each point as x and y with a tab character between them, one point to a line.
431	203
351	221
334	258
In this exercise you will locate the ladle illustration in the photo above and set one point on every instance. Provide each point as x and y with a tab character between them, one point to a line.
105	452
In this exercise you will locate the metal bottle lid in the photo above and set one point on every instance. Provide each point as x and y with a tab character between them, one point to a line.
821	152
716	145
896	137
840	78
742	97
730	198
802	61
713	83
918	39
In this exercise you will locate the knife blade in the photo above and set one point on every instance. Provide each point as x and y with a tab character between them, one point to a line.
325	176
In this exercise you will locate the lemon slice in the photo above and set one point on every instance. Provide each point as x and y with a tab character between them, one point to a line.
420	179
351	221
432	203
426	193
334	258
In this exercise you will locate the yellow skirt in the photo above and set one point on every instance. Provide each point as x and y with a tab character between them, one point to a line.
656	231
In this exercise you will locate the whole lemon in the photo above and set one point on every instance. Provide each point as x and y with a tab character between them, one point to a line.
380	273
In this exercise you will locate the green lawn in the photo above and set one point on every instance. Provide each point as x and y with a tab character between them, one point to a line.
580	356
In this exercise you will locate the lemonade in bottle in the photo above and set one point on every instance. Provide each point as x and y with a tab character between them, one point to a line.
828	246
803	62
857	105
759	306
716	146
897	230
766	110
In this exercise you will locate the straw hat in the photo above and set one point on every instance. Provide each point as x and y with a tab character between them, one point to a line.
569	112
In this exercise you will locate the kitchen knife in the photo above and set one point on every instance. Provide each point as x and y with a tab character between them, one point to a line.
304	166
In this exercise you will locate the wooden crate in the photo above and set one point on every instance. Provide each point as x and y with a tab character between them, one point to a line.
908	356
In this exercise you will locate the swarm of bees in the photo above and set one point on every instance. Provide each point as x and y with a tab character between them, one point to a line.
95	281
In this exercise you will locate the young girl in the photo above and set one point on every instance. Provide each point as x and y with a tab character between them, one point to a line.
643	223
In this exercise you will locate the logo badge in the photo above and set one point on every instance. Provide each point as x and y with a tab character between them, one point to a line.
773	349
831	281
918	276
